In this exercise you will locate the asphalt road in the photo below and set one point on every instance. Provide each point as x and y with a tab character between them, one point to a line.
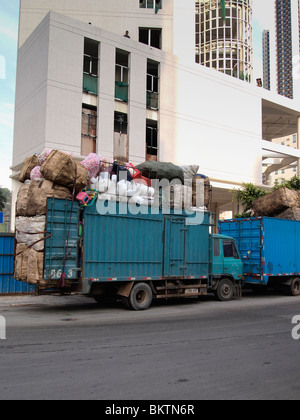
71	348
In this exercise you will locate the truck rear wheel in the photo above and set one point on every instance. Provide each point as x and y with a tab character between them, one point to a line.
225	290
140	297
295	287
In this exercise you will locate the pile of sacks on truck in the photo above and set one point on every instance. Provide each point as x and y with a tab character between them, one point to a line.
57	174
282	203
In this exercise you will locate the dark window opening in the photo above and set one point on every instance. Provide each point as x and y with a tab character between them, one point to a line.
230	250
88	130
120	123
152	84
151	37
151	4
122	75
121	140
90	66
151	140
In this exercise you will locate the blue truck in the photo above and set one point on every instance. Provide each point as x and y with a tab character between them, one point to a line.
270	249
137	255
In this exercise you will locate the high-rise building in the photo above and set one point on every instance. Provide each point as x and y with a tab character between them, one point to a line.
284	48
266	60
224	36
119	78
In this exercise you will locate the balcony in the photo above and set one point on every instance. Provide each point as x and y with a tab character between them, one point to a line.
90	84
121	91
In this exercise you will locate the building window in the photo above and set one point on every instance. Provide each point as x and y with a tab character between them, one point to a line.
152	84
121	141
88	130
150	36
151	4
151	140
122	75
90	66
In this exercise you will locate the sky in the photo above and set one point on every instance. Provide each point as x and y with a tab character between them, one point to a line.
9	19
263	11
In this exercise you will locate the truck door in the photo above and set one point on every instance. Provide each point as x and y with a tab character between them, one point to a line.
233	265
61	248
174	247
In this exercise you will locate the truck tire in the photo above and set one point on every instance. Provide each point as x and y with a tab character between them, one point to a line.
140	297
295	287
225	290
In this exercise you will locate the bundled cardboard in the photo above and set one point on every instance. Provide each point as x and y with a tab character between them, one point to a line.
29	265
30	231
30	163
32	197
21	262
35	268
63	169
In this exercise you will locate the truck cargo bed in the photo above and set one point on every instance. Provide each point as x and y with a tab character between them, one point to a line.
270	248
122	246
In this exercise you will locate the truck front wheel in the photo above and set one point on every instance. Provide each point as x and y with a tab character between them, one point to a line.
225	290
140	297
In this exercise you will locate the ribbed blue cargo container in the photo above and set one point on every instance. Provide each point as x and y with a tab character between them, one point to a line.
8	285
124	245
156	246
270	248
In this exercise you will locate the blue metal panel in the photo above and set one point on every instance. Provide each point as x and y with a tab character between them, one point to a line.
64	241
248	236
281	247
174	244
122	245
197	249
125	245
269	247
8	285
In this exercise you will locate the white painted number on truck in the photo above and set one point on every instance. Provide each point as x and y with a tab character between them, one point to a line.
56	274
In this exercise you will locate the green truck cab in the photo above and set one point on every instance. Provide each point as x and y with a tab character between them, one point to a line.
227	266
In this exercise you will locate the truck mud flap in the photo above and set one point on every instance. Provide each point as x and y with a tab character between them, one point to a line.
238	291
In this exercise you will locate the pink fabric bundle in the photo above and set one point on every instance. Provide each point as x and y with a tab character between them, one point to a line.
93	164
36	173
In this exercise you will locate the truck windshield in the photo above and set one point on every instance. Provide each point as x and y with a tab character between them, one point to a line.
230	249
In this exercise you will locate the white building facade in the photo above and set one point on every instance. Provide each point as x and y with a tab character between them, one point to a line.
83	86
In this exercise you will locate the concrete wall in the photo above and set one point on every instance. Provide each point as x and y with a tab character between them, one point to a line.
213	120
31	95
112	15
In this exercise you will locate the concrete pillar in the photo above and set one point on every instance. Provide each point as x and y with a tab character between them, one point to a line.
106	98
137	108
